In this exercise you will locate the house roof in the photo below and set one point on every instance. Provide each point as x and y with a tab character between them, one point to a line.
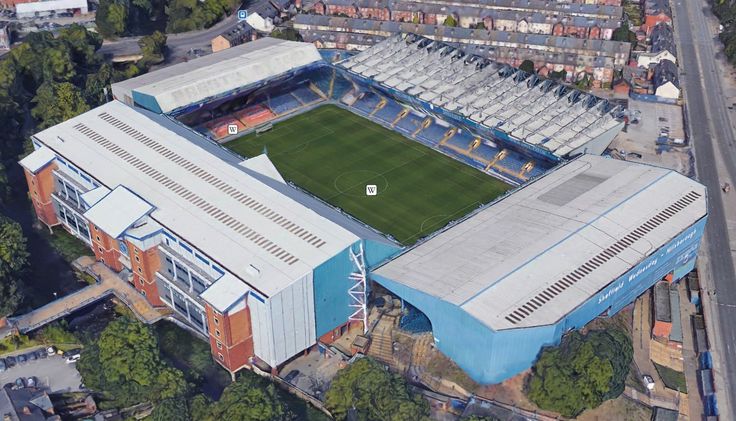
665	71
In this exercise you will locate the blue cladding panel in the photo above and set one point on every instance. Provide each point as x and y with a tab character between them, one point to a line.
376	252
331	285
146	101
490	356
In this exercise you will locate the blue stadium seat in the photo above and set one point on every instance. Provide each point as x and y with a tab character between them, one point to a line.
305	95
409	124
283	103
368	103
389	112
433	134
485	152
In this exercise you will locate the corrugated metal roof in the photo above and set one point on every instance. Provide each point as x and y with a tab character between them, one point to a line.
206	77
227	214
546	258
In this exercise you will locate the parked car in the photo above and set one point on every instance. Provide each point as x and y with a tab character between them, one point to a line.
51	350
72	358
31	356
31	381
11	361
3	366
20	382
75	351
648	381
291	376
22	359
41	354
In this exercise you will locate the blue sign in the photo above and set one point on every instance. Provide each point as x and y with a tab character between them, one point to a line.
242	14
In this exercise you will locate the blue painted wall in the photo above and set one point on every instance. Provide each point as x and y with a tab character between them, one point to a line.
490	356
331	284
146	101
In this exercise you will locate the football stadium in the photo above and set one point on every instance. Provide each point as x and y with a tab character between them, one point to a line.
265	191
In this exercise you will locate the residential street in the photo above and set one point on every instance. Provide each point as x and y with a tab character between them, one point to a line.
712	137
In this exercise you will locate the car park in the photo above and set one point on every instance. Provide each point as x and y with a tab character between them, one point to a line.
20	382
41	354
31	381
31	356
11	361
22	359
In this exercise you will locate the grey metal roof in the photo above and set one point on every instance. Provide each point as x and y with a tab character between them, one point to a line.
227	214
528	259
662	304
216	74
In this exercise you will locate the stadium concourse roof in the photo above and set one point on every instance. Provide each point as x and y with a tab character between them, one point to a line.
583	225
262	236
539	112
216	74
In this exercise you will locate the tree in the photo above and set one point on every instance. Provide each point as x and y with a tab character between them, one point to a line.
13	261
112	18
124	364
581	373
248	399
82	43
152	47
374	394
288	33
527	66
171	410
450	21
624	34
57	102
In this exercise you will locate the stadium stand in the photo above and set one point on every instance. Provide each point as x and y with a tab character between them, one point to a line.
433	134
254	115
367	103
340	87
410	124
485	152
217	128
461	141
283	103
389	112
305	95
542	116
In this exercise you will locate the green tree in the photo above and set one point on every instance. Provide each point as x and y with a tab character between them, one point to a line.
57	102
250	398
581	373
124	364
527	66
374	394
450	21
152	47
624	34
13	261
112	18
171	410
288	33
82	43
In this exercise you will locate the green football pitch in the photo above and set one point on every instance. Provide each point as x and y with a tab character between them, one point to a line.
334	154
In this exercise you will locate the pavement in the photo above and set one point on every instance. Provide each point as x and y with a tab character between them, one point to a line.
109	283
712	136
53	374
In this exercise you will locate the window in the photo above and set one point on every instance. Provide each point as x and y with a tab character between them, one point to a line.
220	357
100	249
217	321
217	333
123	247
140	270
135	251
137	259
97	236
95	229
140	281
219	345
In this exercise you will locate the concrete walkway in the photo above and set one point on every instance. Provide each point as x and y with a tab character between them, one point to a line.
109	283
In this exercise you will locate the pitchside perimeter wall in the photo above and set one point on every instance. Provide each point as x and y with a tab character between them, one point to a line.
490	356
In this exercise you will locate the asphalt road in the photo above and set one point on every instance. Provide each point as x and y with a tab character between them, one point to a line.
178	44
711	134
